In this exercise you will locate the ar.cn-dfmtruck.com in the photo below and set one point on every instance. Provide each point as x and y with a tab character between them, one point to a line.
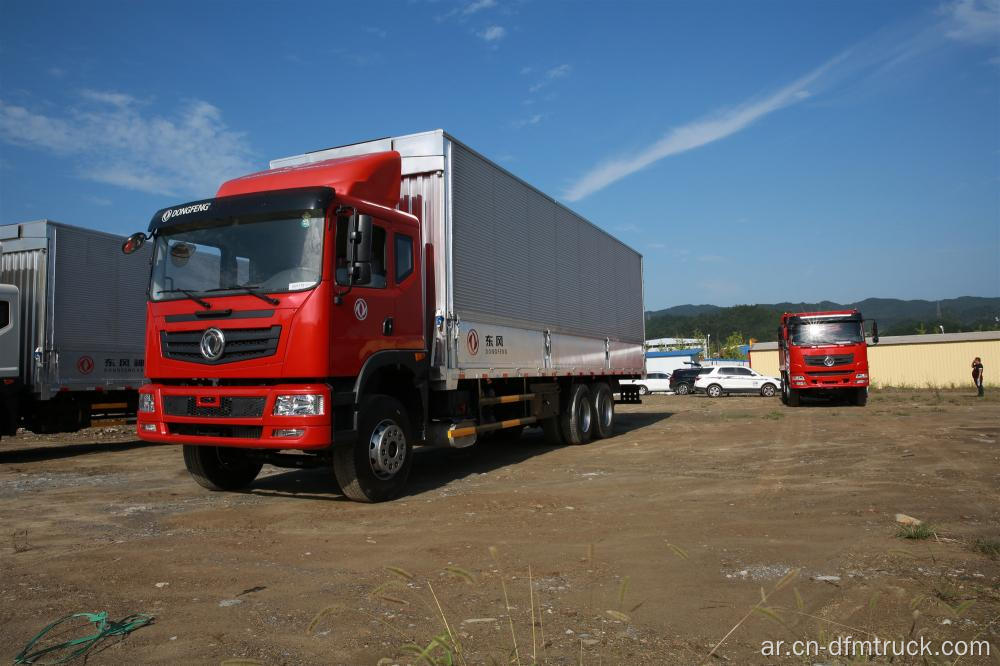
851	647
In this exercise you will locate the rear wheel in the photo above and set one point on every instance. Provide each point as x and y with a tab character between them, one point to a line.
376	466
682	389
714	391
603	404
577	421
220	467
768	390
643	390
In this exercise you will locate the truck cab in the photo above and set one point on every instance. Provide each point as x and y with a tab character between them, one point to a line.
824	354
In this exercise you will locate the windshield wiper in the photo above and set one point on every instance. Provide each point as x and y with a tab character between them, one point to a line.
190	294
248	289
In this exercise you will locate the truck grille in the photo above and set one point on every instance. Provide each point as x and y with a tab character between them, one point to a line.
838	359
215	430
241	344
239	407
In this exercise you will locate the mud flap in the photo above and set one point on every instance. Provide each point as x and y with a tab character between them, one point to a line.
629	395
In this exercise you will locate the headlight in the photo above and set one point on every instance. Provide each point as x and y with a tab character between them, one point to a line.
861	375
298	405
798	378
147	403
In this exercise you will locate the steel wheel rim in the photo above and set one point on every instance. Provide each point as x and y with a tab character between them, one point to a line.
715	391
387	449
605	410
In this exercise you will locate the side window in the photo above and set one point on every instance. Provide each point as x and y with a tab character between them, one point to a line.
378	255
741	371
404	257
729	371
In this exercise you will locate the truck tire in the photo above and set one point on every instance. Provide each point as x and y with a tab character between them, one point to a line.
768	390
220	467
577	419
682	389
376	466
793	397
603	405
714	391
860	397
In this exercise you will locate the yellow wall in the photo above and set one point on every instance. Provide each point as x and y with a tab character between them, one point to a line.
923	365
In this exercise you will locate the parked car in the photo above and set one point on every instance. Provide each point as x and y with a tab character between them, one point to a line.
723	380
682	379
653	382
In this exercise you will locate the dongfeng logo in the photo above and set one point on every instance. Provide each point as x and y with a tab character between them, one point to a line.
174	212
360	309
472	342
213	343
828	361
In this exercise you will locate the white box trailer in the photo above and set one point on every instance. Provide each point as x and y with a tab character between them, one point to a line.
74	334
524	287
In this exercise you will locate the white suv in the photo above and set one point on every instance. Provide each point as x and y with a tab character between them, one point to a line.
654	382
723	380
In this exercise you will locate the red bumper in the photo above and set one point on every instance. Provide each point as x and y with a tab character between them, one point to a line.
240	416
812	379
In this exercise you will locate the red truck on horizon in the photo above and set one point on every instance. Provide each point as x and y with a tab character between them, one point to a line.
348	304
824	353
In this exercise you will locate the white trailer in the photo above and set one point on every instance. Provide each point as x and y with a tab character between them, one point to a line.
72	326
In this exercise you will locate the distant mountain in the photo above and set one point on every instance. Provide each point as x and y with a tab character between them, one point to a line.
894	317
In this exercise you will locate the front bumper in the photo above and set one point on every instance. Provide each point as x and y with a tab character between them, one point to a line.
238	416
828	379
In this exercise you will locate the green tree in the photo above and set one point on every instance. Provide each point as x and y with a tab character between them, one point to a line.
731	347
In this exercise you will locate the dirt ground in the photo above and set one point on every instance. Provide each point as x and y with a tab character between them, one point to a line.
648	547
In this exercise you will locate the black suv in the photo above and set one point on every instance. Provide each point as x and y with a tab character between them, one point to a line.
682	380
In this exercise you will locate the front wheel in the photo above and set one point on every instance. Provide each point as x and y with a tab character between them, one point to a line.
768	390
376	466
682	389
714	391
793	397
220	467
860	397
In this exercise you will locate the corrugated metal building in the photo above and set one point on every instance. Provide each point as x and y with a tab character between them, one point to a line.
914	361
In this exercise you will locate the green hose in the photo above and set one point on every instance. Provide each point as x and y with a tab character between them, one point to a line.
84	644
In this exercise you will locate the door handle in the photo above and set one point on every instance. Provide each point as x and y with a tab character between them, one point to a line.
387	326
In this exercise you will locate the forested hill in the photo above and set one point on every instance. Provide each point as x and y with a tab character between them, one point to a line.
894	317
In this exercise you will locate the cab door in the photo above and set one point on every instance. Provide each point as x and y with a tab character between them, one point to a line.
363	321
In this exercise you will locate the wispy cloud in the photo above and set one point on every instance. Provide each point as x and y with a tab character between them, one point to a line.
463	11
695	134
113	139
530	120
493	33
973	21
478	6
551	75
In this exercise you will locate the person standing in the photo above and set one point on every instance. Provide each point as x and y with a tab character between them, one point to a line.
977	374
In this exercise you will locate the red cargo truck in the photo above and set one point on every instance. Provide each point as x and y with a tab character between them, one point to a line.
824	353
349	304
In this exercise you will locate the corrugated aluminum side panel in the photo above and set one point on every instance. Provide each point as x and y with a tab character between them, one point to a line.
26	269
99	309
522	259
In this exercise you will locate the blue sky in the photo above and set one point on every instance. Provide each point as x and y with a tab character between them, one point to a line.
752	151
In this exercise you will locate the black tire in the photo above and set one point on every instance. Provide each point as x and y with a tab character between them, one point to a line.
784	391
602	404
576	421
793	397
643	390
768	390
682	389
376	466
220	467
860	397
714	391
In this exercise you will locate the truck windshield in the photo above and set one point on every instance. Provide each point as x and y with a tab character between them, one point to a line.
826	333
276	253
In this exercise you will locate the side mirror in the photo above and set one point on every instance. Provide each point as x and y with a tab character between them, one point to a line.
360	249
133	243
874	332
